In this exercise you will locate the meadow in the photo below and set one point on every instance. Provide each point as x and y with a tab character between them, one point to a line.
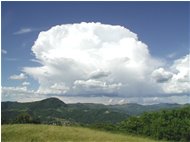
49	133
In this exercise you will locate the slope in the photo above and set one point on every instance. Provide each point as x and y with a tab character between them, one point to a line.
47	133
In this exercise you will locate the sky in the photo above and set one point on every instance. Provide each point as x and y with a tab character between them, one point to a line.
99	52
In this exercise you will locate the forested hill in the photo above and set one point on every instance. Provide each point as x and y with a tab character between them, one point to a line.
167	124
54	111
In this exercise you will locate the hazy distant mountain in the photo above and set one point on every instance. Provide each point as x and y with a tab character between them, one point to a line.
137	109
53	110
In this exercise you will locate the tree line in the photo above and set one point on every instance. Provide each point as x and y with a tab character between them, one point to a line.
171	125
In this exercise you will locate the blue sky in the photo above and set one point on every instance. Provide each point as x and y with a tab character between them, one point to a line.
163	26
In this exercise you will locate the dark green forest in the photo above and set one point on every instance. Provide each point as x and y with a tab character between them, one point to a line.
172	125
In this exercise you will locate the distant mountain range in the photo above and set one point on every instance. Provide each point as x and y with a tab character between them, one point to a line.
53	110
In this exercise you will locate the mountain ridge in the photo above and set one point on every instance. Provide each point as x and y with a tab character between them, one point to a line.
55	98
52	110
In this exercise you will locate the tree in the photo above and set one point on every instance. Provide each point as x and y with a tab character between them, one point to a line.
24	118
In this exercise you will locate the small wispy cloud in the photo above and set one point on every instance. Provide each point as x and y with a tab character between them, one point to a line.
28	30
18	77
171	55
11	59
23	31
26	83
3	51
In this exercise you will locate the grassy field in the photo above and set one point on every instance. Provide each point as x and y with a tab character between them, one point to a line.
47	133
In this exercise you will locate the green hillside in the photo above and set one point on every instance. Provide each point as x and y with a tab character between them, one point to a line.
54	111
49	133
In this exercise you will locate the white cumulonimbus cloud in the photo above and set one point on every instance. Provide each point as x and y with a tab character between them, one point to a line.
98	59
